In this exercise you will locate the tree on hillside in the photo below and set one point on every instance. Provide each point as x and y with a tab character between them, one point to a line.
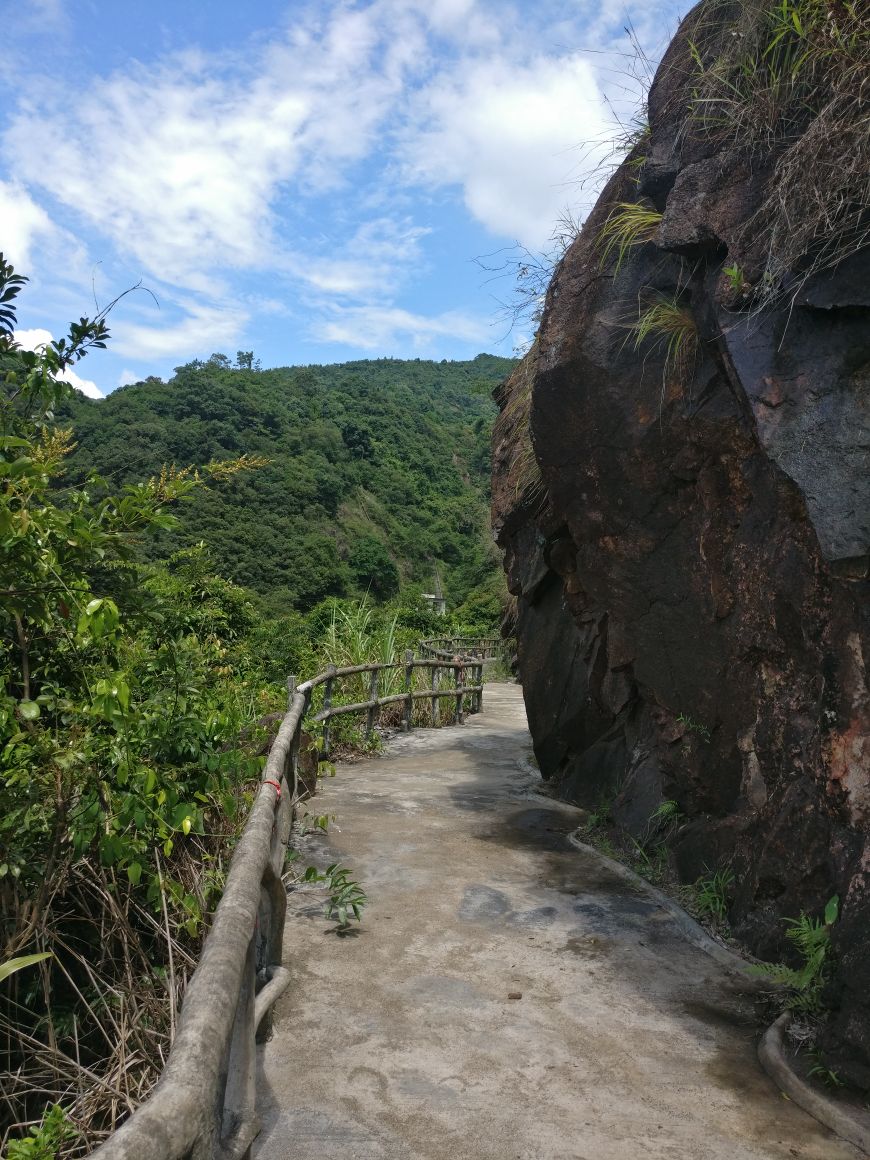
373	569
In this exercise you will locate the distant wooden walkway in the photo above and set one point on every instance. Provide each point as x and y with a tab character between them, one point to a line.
507	996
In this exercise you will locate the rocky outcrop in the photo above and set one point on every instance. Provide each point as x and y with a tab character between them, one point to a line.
688	541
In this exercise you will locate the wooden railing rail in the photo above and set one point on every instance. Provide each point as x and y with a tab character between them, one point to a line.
484	647
462	688
204	1104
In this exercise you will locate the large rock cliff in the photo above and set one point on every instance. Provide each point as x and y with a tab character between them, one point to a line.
687	536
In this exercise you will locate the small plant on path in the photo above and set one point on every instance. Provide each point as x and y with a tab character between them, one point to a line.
346	896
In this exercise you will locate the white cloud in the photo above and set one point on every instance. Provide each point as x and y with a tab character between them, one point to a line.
22	221
199	168
126	377
181	164
33	339
386	327
38	337
512	137
202	328
86	386
188	165
375	258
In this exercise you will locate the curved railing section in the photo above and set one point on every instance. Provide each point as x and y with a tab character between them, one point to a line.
485	648
204	1104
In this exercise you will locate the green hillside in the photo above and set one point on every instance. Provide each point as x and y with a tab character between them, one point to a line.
378	470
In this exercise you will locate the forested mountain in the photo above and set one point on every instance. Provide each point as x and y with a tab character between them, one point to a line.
378	470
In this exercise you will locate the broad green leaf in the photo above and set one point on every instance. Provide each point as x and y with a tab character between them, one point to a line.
29	710
12	965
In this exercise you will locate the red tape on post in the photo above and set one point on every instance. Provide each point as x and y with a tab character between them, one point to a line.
277	785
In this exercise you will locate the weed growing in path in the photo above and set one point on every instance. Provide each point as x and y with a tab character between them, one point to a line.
346	897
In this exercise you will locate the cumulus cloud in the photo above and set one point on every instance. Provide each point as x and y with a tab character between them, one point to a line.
198	168
503	133
22	221
33	339
86	386
185	163
37	337
181	163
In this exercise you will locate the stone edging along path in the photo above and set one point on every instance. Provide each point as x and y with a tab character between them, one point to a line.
771	1049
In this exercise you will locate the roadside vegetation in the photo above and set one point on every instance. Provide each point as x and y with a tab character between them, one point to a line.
139	688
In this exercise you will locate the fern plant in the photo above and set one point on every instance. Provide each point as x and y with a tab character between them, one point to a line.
628	224
811	938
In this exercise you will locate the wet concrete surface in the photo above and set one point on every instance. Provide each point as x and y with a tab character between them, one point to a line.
507	996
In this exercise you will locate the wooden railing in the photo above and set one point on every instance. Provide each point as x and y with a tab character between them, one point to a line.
204	1104
485	648
451	668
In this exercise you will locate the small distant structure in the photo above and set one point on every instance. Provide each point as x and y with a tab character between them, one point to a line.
437	603
436	599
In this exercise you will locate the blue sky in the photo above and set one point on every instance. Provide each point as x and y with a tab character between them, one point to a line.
310	181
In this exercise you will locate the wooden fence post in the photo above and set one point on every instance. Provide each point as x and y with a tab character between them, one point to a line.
436	704
409	680
373	696
460	716
327	704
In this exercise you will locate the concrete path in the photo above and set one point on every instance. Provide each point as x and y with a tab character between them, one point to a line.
507	997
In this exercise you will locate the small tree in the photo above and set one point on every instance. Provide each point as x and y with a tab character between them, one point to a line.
373	569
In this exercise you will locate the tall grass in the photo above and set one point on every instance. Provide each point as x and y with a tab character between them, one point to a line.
673	331
791	80
355	636
628	224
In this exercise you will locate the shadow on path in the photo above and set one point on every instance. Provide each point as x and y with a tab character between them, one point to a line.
508	996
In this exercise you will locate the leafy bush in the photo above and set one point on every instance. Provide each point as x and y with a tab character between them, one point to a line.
43	1141
346	896
120	719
